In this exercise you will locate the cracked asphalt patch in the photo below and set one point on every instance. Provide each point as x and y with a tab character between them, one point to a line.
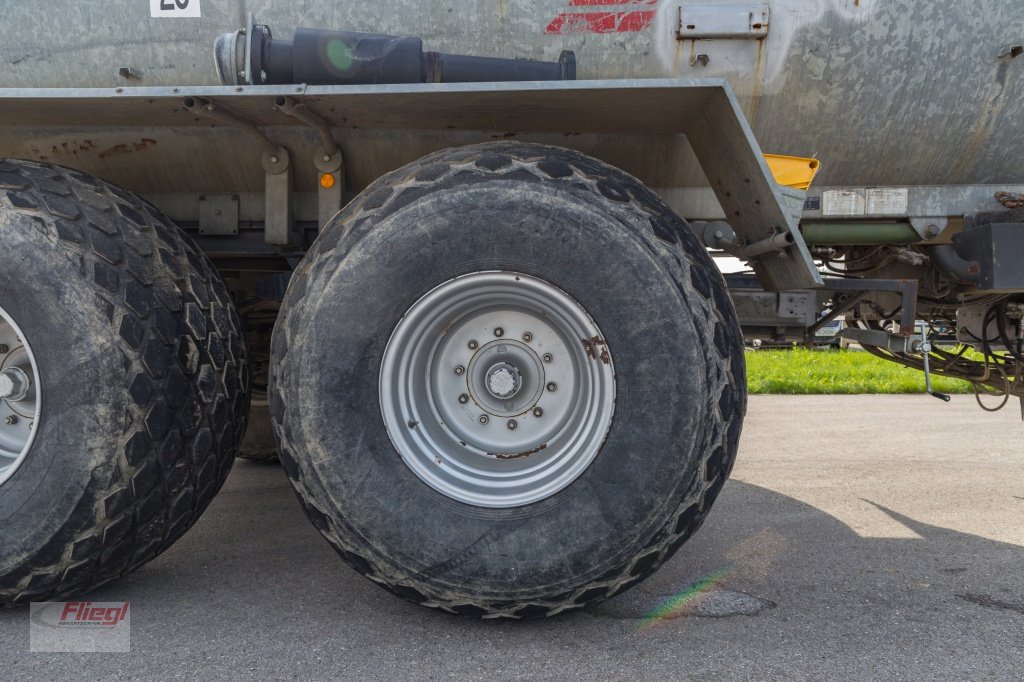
884	530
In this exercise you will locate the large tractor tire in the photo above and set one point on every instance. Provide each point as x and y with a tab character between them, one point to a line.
123	381
507	381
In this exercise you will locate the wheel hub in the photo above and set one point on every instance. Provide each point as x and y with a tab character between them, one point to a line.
487	427
503	380
14	384
19	397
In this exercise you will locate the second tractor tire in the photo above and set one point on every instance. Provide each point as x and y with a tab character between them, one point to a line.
581	228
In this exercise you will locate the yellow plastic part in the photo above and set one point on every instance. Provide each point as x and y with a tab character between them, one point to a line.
793	171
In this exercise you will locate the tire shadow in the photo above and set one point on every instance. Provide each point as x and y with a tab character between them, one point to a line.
789	586
786	553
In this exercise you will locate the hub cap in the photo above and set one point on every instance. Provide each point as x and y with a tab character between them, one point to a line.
497	389
19	397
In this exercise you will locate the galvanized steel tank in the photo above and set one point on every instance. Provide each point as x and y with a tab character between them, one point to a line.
885	92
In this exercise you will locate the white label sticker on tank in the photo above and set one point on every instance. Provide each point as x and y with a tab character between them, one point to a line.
842	202
170	9
886	201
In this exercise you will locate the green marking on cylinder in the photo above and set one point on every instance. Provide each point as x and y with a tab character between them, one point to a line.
339	55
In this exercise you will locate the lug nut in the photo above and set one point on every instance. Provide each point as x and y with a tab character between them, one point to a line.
537	412
548	357
10	419
483	419
527	337
552	386
463	398
473	345
460	370
4	348
512	424
498	331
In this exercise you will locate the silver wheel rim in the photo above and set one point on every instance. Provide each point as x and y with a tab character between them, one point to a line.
497	389
20	398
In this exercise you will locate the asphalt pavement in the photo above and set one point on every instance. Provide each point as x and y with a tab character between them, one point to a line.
861	537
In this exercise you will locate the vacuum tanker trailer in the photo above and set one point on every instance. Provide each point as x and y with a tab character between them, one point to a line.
462	253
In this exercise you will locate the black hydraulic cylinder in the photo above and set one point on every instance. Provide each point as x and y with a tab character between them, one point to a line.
321	57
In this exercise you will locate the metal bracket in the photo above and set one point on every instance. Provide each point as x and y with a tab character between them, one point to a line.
218	214
279	226
882	339
929	228
906	288
327	158
703	21
279	222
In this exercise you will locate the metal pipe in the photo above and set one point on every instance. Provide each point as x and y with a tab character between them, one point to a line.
858	234
770	245
945	257
300	112
204	107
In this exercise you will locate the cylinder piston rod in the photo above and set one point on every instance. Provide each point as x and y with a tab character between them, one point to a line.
322	57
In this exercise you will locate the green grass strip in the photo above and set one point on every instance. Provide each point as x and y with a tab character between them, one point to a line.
800	371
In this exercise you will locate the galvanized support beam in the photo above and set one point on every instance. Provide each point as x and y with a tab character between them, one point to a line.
279	225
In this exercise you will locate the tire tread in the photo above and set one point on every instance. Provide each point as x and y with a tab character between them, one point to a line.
700	285
170	308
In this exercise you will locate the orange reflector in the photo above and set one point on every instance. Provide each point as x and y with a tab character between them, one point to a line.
327	180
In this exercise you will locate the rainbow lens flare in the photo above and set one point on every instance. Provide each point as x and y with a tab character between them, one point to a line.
671	606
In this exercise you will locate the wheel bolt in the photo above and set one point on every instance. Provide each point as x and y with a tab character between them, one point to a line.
484	419
463	398
537	412
512	424
4	348
498	331
473	345
527	337
548	357
10	419
460	370
552	386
